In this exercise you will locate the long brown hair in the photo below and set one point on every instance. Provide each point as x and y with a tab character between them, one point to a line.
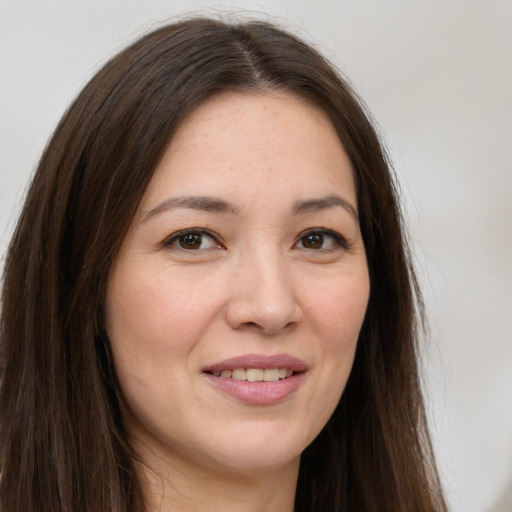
62	443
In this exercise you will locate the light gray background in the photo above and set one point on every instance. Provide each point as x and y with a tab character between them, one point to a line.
437	76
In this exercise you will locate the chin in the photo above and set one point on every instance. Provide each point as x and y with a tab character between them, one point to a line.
249	452
258	461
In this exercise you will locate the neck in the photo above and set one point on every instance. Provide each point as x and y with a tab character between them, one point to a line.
184	486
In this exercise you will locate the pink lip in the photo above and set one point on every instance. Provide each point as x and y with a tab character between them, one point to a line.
258	393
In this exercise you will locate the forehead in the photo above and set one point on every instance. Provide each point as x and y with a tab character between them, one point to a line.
235	141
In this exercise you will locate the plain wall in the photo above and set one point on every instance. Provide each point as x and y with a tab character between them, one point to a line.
437	77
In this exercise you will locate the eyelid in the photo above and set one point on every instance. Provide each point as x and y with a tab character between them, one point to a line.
340	240
170	240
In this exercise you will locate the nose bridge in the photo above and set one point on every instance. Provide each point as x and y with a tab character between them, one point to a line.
264	295
271	279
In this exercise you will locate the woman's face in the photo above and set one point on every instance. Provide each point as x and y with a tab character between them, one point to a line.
243	262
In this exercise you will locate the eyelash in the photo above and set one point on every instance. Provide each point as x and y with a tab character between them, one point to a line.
169	242
339	240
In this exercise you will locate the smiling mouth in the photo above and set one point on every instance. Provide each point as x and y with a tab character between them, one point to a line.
257	379
255	374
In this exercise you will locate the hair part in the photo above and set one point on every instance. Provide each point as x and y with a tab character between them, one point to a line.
63	446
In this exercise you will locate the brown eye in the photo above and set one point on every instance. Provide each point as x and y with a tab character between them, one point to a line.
321	240
190	241
314	241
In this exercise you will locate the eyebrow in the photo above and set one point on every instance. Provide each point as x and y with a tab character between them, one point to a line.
204	203
217	205
311	205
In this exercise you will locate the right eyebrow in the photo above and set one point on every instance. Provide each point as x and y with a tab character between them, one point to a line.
204	203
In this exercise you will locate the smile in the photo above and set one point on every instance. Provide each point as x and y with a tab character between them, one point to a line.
258	379
255	374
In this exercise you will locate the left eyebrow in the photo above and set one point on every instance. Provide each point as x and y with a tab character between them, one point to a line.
311	205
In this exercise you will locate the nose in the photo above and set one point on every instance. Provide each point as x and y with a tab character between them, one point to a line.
263	296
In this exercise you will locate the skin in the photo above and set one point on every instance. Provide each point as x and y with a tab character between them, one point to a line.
265	280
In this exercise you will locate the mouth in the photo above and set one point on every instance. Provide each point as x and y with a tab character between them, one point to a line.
255	374
256	379
258	368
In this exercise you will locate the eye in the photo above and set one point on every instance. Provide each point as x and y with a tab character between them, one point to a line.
192	240
321	239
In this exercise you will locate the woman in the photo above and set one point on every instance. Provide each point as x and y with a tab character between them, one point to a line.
208	301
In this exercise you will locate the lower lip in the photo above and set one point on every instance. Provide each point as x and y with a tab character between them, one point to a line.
258	393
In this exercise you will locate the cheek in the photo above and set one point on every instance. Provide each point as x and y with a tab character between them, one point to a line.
338	310
154	325
337	319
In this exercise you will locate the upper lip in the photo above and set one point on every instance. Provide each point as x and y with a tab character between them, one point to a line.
259	361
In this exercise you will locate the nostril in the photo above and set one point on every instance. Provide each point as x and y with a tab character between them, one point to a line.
266	328
249	326
252	325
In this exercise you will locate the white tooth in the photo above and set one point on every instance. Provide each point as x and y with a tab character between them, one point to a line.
271	374
217	374
239	374
254	375
289	372
282	373
225	373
